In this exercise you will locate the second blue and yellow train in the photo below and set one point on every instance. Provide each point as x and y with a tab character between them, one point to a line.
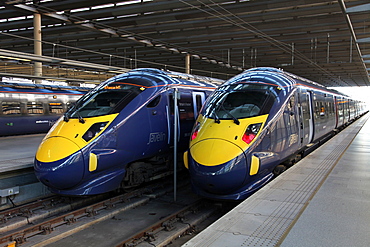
27	108
120	133
256	125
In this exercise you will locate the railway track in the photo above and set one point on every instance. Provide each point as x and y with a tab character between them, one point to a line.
132	219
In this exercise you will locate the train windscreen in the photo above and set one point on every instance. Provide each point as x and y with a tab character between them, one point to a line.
108	100
240	101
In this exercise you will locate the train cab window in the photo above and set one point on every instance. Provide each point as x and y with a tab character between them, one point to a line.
249	101
11	108
56	108
35	108
108	100
242	105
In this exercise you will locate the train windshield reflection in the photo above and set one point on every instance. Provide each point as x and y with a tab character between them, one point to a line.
240	101
112	99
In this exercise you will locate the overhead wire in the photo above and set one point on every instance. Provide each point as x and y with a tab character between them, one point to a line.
242	24
166	66
78	20
223	14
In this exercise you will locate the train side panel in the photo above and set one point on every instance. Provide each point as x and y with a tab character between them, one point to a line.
32	110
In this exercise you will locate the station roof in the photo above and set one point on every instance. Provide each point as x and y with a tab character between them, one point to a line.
325	41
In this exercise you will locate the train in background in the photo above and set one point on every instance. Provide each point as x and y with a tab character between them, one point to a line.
256	125
120	133
33	108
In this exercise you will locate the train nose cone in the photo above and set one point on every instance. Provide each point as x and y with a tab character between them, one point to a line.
217	166
59	163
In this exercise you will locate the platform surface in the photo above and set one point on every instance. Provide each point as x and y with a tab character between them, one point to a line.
323	200
18	152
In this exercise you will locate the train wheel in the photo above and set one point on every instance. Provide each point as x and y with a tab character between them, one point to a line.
279	169
136	174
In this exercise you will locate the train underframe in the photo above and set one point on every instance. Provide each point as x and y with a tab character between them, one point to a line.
144	171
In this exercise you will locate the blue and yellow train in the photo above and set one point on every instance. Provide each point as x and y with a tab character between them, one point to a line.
33	108
255	125
120	133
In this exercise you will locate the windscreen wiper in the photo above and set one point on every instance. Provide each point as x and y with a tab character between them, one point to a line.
66	114
66	117
80	118
215	117
236	121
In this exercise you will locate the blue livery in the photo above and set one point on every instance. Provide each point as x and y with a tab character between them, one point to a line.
119	134
256	125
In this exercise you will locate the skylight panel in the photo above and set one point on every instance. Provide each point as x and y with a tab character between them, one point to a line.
80	10
17	18
103	6
104	19
132	2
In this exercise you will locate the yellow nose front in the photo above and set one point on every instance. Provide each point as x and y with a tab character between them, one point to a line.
55	148
213	152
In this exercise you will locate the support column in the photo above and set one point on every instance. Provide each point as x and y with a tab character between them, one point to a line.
37	42
187	64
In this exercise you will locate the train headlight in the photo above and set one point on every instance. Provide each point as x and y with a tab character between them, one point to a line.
195	131
93	131
251	132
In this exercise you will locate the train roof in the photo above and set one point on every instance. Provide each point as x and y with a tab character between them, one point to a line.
278	77
40	88
167	78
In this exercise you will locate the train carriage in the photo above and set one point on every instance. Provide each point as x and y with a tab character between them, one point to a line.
256	125
120	133
33	108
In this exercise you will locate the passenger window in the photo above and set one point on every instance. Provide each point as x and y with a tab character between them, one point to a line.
322	109
199	103
11	108
35	108
154	102
291	103
56	108
317	110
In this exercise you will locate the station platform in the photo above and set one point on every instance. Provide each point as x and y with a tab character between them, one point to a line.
18	152
323	200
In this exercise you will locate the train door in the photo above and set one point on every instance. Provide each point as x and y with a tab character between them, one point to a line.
310	117
336	111
351	109
305	116
339	110
155	118
301	110
186	115
346	110
293	123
